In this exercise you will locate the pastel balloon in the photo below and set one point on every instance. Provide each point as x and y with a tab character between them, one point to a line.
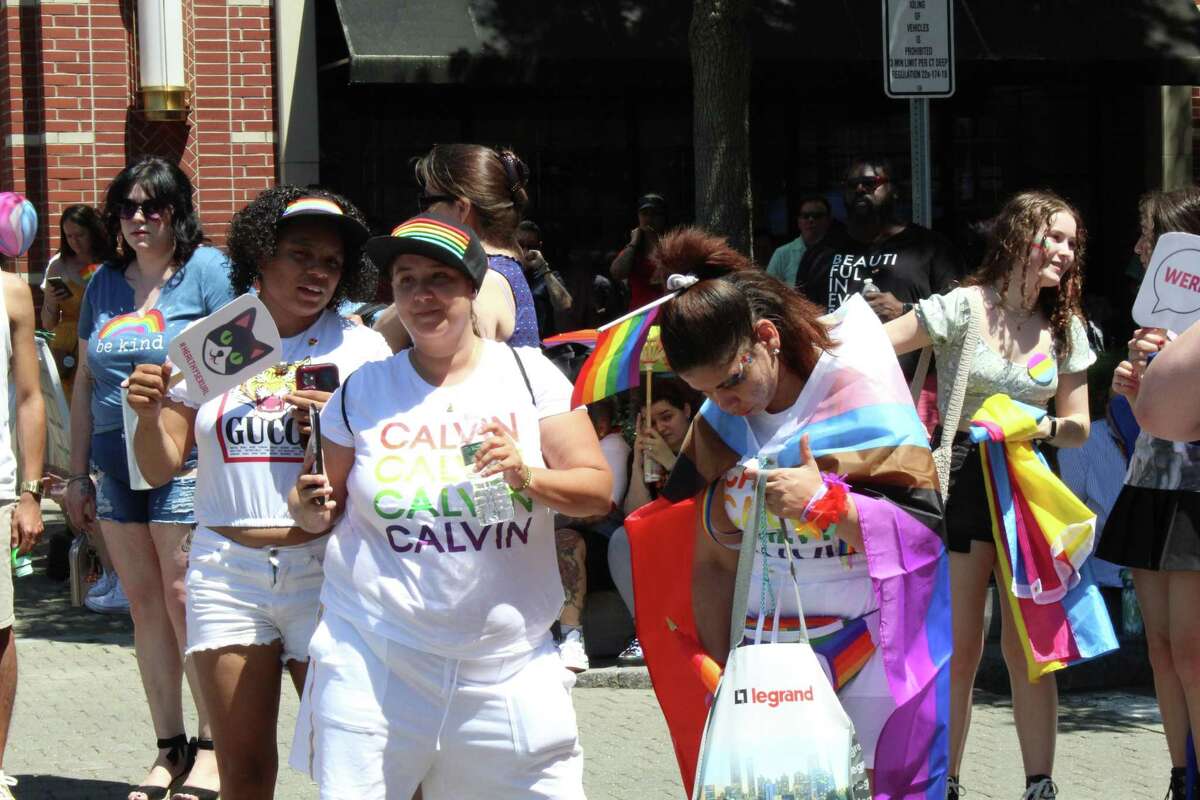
18	224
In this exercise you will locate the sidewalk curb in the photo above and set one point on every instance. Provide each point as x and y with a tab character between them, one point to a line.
614	678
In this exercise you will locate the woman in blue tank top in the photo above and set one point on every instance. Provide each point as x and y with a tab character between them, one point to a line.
485	189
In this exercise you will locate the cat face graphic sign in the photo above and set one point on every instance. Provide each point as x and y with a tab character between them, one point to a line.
226	348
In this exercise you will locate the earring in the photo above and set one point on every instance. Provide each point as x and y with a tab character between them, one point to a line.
775	351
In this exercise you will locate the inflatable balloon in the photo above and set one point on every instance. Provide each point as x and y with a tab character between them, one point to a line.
18	224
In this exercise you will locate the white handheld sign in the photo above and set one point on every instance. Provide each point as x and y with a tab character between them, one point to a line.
1170	293
225	348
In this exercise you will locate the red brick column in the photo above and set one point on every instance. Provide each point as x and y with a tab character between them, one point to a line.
68	106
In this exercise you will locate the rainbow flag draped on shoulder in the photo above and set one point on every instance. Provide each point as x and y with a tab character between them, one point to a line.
861	423
1044	535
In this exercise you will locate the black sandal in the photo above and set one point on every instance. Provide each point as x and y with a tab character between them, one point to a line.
194	791
178	749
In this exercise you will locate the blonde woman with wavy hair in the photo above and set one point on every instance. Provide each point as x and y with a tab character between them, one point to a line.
1026	295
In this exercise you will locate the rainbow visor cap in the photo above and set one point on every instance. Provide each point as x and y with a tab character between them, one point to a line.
354	233
438	236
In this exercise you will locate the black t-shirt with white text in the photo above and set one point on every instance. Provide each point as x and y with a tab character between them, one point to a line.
912	265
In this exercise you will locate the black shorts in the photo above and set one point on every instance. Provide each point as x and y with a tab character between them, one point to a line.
967	516
1156	529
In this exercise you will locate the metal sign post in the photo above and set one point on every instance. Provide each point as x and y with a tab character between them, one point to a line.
918	63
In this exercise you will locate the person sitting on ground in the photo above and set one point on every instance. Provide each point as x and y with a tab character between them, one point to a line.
573	535
660	439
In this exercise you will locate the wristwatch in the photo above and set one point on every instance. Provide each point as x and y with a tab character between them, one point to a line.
905	308
33	487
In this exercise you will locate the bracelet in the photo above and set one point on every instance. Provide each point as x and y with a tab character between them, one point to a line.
1053	428
830	504
74	478
527	481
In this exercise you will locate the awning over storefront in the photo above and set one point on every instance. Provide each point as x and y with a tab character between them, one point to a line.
527	41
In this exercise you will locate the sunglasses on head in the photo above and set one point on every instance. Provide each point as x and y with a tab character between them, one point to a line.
424	201
813	215
152	210
870	182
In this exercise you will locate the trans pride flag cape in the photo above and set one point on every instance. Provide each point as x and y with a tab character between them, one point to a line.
861	423
1044	535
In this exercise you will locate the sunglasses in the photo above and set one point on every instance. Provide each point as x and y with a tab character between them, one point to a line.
733	381
424	201
810	216
870	182
152	210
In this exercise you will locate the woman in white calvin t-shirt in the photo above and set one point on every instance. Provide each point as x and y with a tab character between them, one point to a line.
254	576
433	662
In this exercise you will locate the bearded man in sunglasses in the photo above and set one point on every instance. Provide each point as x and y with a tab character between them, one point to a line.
892	263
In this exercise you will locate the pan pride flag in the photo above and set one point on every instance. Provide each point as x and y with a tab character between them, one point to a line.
1043	536
615	363
858	414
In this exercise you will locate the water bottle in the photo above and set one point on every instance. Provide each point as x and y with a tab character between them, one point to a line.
652	471
493	501
1131	612
22	565
869	287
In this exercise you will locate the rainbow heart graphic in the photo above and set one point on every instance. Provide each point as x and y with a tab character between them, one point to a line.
133	323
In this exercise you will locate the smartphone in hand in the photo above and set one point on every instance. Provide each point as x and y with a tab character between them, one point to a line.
314	446
61	288
322	377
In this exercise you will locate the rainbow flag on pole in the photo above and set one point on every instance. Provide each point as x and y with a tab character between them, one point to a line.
615	364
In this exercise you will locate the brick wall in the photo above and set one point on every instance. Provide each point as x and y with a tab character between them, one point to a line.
68	98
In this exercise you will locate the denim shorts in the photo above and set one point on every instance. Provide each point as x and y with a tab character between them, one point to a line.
172	503
245	596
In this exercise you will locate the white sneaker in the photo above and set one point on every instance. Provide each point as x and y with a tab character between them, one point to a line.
572	651
103	585
5	782
115	602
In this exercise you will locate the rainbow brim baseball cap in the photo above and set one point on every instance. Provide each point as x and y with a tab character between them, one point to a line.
438	236
354	233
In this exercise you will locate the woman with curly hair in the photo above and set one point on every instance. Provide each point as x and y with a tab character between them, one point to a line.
1154	526
162	279
253	576
1026	295
484	189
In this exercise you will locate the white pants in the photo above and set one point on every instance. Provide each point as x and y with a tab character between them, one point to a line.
238	595
378	719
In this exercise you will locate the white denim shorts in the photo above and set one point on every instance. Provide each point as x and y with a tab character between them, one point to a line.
238	595
377	719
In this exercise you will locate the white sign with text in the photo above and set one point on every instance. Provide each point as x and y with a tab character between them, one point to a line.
918	48
1170	293
225	348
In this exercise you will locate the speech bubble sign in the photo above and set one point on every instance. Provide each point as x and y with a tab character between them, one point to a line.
1170	293
227	347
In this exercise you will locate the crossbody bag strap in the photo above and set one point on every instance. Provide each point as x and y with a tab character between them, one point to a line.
524	374
918	381
966	358
345	389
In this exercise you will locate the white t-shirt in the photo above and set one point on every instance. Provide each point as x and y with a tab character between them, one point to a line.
616	453
409	560
249	448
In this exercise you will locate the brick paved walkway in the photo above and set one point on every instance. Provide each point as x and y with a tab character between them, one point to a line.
81	728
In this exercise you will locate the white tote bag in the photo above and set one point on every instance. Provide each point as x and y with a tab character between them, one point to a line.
775	726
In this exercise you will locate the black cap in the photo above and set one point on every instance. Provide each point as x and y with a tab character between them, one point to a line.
652	202
433	235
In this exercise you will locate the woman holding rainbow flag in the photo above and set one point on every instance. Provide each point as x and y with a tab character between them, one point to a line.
851	493
1031	346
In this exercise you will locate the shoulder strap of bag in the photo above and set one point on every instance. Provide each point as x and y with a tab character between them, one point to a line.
345	389
524	374
965	360
918	381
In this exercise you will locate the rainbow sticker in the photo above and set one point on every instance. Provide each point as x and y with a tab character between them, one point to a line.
311	204
1042	369
134	324
87	272
436	232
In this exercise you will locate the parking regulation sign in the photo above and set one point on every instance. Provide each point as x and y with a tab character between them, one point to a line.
918	48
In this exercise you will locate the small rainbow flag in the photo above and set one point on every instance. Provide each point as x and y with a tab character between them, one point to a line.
87	272
614	365
586	337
